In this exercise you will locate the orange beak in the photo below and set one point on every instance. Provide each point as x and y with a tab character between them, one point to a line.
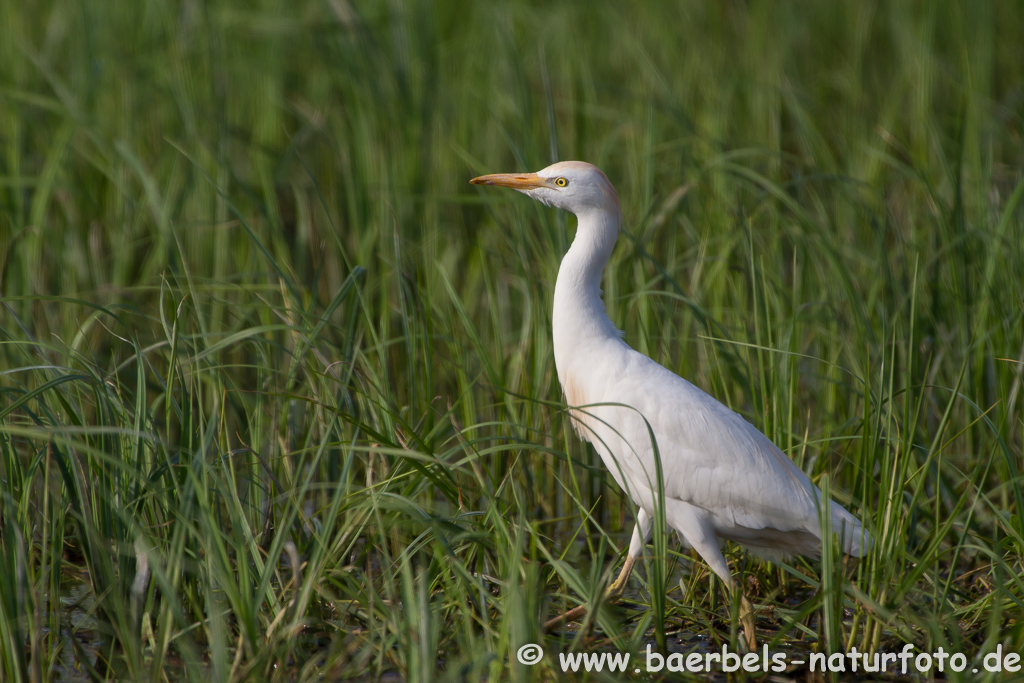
517	181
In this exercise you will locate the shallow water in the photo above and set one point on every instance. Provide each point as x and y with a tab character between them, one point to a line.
77	622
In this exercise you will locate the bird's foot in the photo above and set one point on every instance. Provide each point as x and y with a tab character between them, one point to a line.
615	590
612	595
572	615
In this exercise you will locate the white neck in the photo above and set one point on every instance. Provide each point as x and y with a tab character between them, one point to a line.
579	314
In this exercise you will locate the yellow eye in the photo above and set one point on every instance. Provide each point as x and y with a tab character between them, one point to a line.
561	182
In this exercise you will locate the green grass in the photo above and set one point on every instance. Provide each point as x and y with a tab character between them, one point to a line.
278	395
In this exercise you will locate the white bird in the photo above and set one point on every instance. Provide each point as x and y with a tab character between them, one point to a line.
723	479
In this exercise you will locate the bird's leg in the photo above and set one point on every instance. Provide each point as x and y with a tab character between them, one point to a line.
696	530
641	533
747	619
746	616
618	586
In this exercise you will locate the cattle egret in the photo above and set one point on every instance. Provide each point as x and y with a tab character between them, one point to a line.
723	479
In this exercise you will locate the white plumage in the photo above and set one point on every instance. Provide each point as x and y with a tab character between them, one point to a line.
724	479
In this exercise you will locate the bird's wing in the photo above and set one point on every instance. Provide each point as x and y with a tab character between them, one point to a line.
711	457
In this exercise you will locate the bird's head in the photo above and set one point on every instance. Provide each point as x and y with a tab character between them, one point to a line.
575	186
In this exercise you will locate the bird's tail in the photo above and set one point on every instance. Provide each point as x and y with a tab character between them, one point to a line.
855	538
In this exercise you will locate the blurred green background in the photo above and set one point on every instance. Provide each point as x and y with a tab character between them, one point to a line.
278	397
